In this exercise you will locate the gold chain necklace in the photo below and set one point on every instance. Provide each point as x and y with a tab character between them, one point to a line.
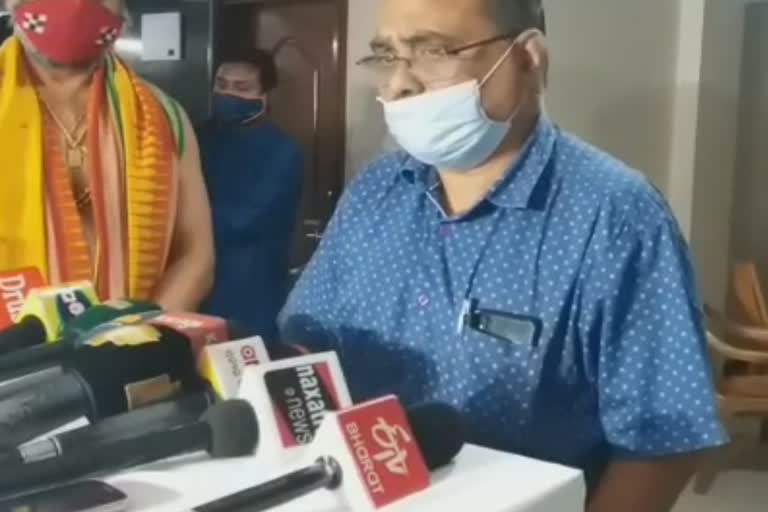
74	153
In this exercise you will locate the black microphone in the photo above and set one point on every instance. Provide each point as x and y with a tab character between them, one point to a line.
100	382
156	417
44	313
74	334
438	431
228	429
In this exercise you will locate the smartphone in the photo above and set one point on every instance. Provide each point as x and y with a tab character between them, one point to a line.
85	496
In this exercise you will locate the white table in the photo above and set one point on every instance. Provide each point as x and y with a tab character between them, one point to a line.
481	480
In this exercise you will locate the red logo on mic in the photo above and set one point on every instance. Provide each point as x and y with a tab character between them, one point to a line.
249	355
385	452
202	330
14	287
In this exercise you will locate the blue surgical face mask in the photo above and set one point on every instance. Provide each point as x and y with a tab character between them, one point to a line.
235	110
448	128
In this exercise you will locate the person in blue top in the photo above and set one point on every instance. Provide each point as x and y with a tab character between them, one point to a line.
510	269
254	173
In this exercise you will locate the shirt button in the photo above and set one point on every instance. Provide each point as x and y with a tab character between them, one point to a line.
423	300
445	230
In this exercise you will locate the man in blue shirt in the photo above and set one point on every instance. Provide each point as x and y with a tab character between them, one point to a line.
254	174
510	269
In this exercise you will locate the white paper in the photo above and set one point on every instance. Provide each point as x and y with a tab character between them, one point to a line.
161	36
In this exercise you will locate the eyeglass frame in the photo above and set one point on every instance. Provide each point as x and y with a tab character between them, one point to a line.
455	52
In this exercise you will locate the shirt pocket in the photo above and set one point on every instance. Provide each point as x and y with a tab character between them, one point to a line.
506	374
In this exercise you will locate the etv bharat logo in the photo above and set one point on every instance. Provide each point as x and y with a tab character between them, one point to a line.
391	439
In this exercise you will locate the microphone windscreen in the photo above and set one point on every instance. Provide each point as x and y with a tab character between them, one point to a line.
238	331
29	332
234	429
280	351
104	313
124	377
440	432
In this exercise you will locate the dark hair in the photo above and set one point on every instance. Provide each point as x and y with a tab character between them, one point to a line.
263	61
519	15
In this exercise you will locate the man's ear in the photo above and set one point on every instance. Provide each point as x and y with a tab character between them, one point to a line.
536	55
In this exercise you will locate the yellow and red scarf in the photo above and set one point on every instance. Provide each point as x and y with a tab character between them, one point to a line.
134	139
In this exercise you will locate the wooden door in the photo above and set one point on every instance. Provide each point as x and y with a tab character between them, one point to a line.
308	38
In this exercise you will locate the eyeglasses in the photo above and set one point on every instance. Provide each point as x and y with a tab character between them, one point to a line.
429	64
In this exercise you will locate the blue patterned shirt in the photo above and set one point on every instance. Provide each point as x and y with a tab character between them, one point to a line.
584	256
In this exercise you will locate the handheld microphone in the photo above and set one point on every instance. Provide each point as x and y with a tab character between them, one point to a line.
74	334
162	416
223	365
228	429
200	330
79	329
291	398
374	455
14	287
100	382
44	313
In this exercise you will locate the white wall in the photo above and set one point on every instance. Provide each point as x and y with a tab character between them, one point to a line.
685	111
366	131
613	74
750	212
717	135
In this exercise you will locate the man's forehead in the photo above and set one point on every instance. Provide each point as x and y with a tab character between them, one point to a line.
425	20
238	71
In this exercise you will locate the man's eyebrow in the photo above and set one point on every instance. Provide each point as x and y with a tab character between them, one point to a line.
381	44
384	43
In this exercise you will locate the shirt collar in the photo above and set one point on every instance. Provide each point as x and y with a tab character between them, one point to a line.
516	187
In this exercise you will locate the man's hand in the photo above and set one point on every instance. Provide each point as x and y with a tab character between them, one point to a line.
189	275
643	486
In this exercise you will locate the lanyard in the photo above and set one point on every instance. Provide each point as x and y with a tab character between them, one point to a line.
469	304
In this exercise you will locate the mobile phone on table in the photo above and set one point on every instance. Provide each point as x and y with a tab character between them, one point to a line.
85	496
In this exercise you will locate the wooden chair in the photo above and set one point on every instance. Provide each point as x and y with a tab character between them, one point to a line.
746	303
739	393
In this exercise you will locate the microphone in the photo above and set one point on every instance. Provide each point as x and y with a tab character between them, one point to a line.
228	429
79	328
374	455
100	382
44	313
74	334
280	351
200	330
291	397
223	365
160	416
14	287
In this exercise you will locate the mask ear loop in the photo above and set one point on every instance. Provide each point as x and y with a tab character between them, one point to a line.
497	65
521	39
257	116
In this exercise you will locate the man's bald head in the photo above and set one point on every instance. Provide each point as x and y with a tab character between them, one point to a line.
518	15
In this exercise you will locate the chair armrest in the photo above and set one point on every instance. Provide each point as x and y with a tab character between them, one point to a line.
757	336
738	354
